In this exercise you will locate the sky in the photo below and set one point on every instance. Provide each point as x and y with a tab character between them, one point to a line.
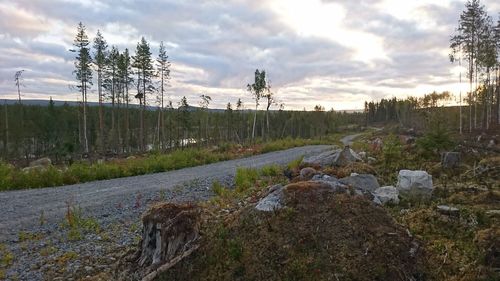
336	53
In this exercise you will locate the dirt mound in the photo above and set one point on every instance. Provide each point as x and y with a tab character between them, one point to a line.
319	235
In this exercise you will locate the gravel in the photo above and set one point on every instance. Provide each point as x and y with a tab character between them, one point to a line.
31	222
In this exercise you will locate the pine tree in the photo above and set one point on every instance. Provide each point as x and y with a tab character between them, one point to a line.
100	56
111	85
466	41
83	74
163	72
125	74
257	89
144	65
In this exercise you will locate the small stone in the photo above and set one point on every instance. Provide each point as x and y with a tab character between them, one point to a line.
307	173
88	268
447	210
493	212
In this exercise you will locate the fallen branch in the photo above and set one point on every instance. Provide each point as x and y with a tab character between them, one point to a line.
151	276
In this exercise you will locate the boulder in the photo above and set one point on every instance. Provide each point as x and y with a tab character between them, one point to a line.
43	162
450	160
414	182
34	168
332	182
307	173
273	201
324	159
363	182
386	194
345	157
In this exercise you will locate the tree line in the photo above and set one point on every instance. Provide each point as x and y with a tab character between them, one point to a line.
476	42
116	126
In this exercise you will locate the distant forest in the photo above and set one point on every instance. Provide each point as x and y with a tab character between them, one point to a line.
114	126
33	131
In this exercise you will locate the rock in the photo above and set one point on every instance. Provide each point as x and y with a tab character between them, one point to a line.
324	159
88	268
307	173
131	157
493	213
169	230
377	144
491	144
43	162
386	194
371	160
414	182
346	157
447	210
450	160
363	182
34	168
333	158
362	155
273	201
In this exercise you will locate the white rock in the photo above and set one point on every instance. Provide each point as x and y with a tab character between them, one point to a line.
273	201
386	194
447	210
414	182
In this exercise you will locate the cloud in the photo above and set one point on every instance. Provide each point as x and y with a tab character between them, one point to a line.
332	52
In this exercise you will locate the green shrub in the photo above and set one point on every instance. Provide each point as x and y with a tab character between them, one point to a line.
271	171
6	172
245	178
437	138
391	151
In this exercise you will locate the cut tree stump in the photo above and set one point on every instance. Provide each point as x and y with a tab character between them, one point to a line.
170	233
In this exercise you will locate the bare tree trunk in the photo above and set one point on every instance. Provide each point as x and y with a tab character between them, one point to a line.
254	120
127	121
84	96
101	115
6	138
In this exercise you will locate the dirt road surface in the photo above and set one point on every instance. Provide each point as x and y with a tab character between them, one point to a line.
24	209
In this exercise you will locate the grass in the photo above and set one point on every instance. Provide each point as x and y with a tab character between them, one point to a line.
12	178
77	224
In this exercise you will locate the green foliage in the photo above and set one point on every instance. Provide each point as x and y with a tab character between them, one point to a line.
219	189
78	224
245	178
295	163
271	171
391	151
437	138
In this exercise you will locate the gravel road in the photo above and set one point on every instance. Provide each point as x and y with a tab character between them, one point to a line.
108	200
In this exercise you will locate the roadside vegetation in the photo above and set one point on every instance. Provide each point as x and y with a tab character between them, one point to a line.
12	178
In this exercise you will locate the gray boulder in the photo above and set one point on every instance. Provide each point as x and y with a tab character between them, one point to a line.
450	160
333	182
43	162
324	159
273	201
414	182
336	157
345	157
362	182
386	194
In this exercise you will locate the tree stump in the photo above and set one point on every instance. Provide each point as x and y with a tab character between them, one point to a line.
170	232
